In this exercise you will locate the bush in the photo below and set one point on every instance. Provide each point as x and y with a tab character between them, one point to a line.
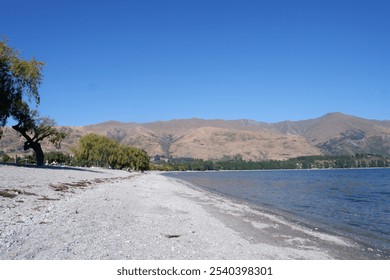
6	158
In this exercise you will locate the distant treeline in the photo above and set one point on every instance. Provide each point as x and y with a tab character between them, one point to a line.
305	162
96	150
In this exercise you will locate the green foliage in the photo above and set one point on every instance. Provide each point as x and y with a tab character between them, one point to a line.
28	159
6	158
19	82
59	158
96	150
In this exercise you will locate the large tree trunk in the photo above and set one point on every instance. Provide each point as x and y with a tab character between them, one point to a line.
30	143
39	156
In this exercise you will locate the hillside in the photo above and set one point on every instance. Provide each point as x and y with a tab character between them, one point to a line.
333	134
336	133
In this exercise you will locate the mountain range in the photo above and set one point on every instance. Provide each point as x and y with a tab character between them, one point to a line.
331	134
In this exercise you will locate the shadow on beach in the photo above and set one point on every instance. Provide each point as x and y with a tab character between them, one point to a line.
55	167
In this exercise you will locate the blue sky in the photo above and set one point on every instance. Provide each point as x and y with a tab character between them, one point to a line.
149	60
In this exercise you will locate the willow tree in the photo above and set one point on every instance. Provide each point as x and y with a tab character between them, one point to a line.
99	150
19	83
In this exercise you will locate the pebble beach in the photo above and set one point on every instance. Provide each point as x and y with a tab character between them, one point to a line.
102	214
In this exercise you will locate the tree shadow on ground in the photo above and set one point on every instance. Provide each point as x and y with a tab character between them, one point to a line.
82	169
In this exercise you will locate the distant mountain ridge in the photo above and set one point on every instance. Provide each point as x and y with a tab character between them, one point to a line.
337	133
331	134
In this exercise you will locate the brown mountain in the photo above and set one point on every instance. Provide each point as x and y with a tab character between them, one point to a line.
334	133
208	139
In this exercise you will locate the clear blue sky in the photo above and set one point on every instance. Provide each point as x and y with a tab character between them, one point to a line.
148	60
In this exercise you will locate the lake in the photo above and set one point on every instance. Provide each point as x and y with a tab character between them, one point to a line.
351	202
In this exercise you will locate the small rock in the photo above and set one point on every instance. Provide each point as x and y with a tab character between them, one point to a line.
170	236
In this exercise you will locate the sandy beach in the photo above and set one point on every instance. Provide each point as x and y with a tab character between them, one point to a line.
93	214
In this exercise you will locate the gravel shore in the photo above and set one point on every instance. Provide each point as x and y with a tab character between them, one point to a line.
93	214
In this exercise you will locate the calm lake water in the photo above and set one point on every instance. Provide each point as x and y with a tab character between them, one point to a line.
354	203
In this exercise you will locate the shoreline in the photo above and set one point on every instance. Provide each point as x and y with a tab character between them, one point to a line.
119	215
355	234
275	170
292	218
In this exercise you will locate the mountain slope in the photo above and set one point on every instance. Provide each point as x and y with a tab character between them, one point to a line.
336	133
217	143
333	133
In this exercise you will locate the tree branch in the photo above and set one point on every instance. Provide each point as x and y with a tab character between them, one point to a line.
22	131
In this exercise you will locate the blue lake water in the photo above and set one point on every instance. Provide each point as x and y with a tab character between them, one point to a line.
353	202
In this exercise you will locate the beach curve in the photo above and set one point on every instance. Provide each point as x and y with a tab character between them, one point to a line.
106	214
